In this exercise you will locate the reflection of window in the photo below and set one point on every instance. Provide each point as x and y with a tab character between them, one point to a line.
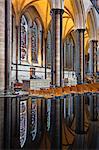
48	114
23	122
24	38
49	49
34	119
34	40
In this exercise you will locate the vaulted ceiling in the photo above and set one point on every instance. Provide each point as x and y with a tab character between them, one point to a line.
72	17
43	8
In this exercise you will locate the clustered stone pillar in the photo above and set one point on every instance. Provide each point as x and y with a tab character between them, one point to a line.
7	43
93	73
57	67
80	60
7	101
80	57
93	58
17	53
56	76
45	58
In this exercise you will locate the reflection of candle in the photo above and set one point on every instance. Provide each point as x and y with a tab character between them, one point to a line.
57	4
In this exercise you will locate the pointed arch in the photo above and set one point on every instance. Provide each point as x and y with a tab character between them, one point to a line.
91	22
79	13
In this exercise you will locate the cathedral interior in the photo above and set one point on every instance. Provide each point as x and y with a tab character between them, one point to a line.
49	74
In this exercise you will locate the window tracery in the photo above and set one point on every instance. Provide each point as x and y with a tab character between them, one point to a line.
34	40
24	38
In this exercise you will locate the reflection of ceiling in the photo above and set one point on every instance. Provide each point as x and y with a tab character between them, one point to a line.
43	8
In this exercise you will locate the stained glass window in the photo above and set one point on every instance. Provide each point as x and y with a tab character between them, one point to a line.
24	38
49	49
34	40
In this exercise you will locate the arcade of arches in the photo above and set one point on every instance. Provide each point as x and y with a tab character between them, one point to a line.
48	44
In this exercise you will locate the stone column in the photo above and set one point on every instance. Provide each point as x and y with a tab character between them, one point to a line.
45	58
80	57
16	53
93	73
42	48
93	58
80	60
63	59
57	67
7	102
7	43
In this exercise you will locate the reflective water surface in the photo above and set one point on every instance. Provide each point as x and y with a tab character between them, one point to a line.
39	123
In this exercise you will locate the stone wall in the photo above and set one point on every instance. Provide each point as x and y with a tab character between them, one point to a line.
24	72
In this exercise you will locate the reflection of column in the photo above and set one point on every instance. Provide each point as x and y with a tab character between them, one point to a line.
80	71
79	112
93	58
93	107
65	107
69	106
57	66
56	123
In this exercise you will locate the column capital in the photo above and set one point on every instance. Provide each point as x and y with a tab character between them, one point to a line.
56	11
93	41
80	30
